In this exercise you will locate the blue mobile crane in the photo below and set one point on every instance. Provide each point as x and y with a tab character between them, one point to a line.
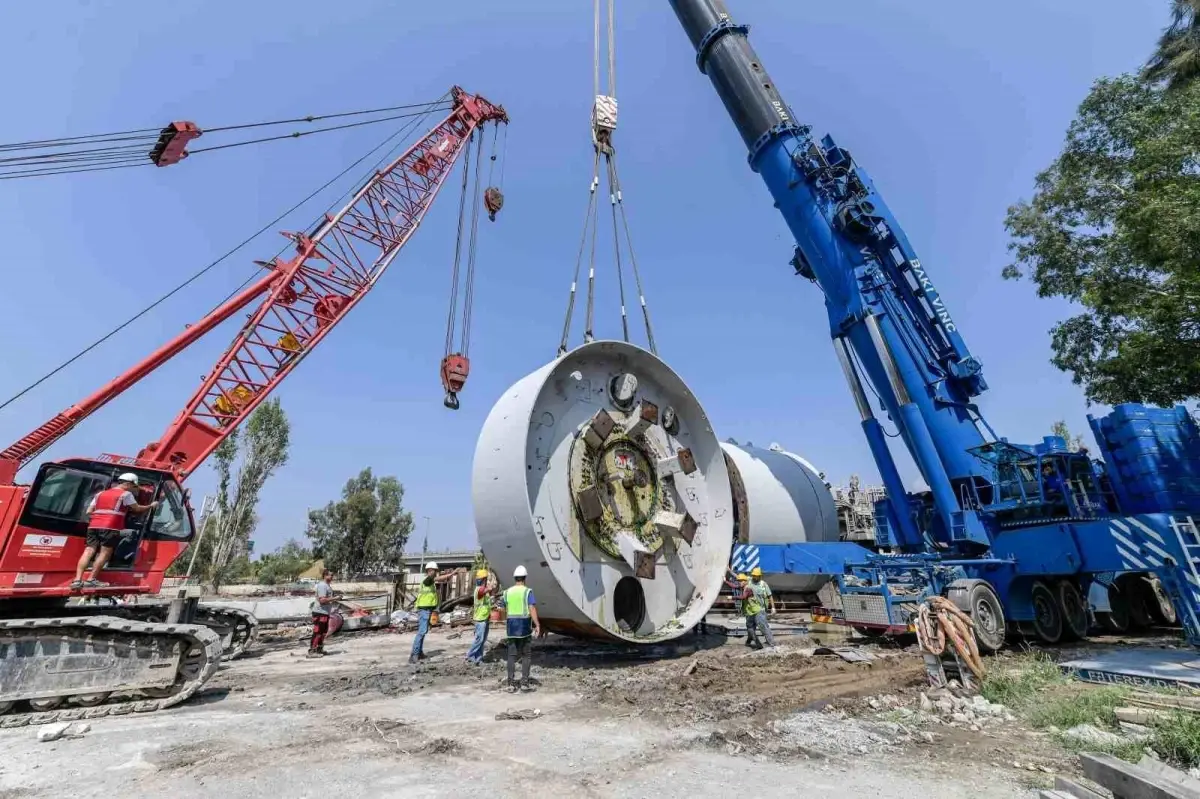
1016	535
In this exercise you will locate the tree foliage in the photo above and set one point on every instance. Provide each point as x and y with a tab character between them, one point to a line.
263	445
1176	60
285	564
1060	429
1114	225
366	530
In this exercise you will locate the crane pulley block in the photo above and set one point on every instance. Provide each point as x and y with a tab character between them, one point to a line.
493	201
604	120
171	147
455	368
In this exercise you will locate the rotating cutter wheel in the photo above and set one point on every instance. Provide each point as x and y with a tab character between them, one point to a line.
600	473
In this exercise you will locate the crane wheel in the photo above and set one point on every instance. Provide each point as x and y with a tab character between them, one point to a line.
1158	602
1074	610
5	707
1118	620
49	703
988	615
1047	613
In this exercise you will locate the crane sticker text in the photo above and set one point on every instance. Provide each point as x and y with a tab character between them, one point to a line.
935	300
38	545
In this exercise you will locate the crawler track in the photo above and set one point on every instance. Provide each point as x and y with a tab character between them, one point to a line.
238	629
63	669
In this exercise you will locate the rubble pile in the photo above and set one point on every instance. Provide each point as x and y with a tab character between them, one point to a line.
942	706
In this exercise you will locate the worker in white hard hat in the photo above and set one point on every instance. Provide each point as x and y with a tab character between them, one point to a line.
766	600
481	612
427	603
106	524
521	628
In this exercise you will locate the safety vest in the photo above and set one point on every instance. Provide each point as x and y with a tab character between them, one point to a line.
516	603
483	607
750	605
108	514
427	595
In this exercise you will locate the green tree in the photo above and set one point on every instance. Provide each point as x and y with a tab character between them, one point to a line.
1061	430
1114	226
364	532
1176	60
224	457
285	564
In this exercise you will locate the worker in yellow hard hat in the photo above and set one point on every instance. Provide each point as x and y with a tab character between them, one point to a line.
482	614
762	593
750	607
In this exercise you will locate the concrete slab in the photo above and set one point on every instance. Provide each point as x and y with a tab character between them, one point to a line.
1138	667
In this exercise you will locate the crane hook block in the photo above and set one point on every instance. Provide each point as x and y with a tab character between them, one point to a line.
171	147
493	201
455	369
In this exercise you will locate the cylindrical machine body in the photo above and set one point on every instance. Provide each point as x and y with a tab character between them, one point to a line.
600	473
779	498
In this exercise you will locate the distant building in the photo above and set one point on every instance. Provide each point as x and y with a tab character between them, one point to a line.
856	510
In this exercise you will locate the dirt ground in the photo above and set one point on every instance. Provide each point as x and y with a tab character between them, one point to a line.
705	717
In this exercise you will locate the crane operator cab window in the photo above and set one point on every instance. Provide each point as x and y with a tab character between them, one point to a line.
60	495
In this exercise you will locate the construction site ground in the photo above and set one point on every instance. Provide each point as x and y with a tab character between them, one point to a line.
702	717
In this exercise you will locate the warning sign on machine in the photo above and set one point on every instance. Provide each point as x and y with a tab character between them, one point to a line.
38	545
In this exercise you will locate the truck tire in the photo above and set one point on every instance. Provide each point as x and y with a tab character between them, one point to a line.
1158	602
979	600
1047	613
1118	620
1074	610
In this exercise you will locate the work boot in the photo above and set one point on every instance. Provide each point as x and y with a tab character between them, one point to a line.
527	687
76	585
315	653
94	583
512	687
412	660
421	655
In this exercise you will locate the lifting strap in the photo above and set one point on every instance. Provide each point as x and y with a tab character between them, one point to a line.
604	125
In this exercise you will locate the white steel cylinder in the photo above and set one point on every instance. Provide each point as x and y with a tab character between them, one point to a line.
600	473
780	498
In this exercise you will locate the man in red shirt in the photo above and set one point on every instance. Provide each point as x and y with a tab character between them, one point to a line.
106	522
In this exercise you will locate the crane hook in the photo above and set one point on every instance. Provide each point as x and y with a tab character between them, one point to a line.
455	369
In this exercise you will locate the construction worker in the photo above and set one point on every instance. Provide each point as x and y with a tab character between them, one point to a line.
322	607
427	603
750	607
520	628
762	592
482	614
106	523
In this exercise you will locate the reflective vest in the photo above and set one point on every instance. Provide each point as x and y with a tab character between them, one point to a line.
483	607
108	514
516	603
427	595
750	604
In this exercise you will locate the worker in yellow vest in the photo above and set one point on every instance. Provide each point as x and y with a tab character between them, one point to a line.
750	607
482	613
427	603
521	627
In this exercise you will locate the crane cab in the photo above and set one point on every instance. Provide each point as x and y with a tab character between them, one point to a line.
43	528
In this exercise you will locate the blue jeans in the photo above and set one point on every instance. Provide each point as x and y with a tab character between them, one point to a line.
475	653
761	621
423	615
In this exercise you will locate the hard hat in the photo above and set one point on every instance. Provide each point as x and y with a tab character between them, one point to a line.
431	565
742	578
128	477
481	574
756	572
520	572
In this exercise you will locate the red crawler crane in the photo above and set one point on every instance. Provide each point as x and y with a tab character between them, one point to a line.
43	525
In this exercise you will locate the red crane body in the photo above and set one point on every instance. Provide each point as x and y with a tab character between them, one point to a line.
43	525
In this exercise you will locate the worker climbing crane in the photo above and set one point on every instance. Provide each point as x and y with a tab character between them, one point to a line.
300	299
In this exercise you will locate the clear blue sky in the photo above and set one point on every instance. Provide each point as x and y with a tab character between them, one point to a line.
953	108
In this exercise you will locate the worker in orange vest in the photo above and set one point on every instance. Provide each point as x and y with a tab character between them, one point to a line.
106	522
